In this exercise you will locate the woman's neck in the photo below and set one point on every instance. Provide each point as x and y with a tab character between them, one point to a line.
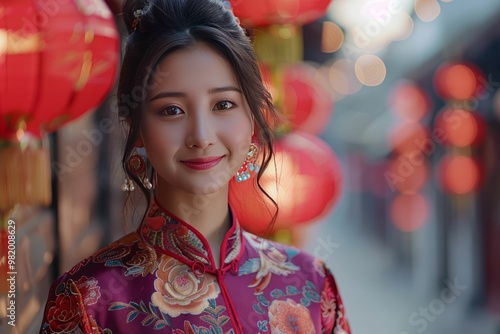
209	213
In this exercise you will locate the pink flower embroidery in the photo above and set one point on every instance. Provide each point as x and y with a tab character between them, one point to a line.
180	291
287	317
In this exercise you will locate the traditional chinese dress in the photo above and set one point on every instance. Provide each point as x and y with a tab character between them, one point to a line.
162	279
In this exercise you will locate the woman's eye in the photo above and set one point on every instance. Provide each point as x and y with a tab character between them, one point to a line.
224	105
172	111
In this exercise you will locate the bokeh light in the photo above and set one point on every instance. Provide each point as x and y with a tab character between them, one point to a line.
405	26
458	174
370	70
408	137
409	101
332	37
409	212
342	78
460	127
407	174
459	81
427	10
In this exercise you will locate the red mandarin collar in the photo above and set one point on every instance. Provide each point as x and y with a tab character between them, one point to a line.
170	235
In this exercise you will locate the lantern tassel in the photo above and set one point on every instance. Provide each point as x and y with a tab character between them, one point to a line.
24	174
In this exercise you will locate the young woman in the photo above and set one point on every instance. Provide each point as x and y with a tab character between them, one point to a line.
192	96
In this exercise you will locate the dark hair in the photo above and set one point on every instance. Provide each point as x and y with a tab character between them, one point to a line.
165	26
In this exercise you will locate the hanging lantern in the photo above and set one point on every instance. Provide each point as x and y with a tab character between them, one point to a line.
266	12
459	81
460	127
57	61
307	103
305	184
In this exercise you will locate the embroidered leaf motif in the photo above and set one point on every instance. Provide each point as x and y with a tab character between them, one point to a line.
148	320
305	301
263	300
223	320
143	307
209	319
132	315
312	295
151	314
311	284
257	308
277	293
166	318
114	263
134	271
159	325
118	306
291	290
153	310
262	324
249	267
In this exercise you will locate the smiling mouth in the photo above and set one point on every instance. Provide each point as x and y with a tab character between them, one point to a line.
202	163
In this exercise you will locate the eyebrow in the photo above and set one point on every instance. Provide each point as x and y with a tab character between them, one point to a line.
210	91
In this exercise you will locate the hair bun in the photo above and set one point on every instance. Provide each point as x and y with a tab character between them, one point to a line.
129	8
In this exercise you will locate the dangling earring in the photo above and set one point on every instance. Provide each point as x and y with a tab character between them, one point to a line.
249	165
137	166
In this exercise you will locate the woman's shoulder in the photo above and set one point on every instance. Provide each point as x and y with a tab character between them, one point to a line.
117	255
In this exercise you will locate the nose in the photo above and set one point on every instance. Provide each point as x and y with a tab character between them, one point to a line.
201	132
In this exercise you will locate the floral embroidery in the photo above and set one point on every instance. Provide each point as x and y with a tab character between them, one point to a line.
287	317
152	316
89	290
63	314
179	290
143	262
328	307
270	261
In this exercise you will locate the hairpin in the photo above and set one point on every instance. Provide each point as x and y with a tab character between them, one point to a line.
137	18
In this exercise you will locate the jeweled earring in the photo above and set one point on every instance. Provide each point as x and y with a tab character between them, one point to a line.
249	165
137	166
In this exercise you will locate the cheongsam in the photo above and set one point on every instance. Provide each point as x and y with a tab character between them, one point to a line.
162	279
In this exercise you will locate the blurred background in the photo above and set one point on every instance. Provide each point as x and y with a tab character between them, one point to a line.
393	144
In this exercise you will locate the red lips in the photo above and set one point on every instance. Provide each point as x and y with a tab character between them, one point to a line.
202	163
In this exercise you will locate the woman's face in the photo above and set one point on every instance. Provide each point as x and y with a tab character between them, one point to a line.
197	126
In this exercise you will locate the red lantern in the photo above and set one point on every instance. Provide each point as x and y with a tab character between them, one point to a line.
265	12
460	127
305	183
306	102
459	81
58	60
